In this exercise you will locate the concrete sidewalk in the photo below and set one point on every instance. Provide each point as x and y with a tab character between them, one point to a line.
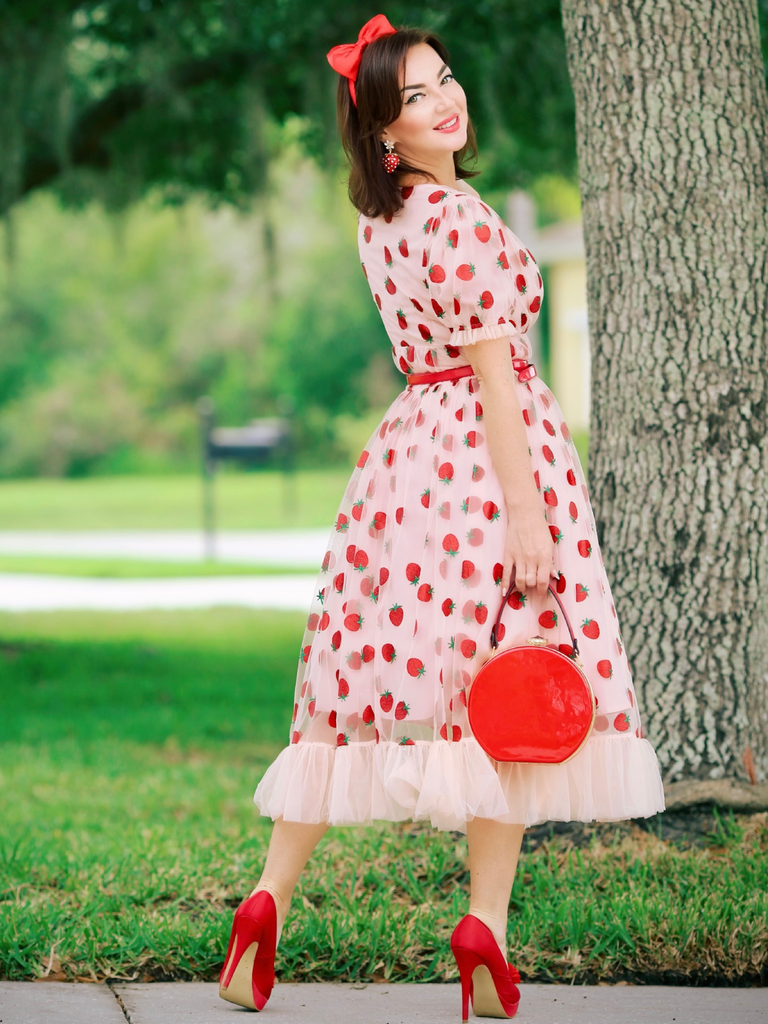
25	592
290	1003
35	592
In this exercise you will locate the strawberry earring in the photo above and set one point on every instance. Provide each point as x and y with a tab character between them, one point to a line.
391	160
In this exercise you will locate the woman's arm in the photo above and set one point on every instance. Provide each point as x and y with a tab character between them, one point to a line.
528	545
469	273
505	430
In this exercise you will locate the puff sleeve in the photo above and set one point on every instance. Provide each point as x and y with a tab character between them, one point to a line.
482	282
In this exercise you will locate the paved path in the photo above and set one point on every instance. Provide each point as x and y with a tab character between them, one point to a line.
25	592
290	1003
295	548
22	592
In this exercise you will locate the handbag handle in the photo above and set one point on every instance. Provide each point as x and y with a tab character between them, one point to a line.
495	642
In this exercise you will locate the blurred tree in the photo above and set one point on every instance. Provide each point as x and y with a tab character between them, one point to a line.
110	98
110	336
119	99
672	129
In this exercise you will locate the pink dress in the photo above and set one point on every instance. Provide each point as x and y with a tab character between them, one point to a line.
411	579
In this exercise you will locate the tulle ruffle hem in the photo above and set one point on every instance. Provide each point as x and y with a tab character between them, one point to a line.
610	779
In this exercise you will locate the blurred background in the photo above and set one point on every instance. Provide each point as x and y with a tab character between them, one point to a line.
179	279
175	224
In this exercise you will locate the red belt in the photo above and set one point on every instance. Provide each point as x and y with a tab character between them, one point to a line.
522	368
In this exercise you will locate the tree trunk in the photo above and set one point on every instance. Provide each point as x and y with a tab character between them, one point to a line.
672	136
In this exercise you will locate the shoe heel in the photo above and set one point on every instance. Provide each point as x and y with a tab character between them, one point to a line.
244	931
467	961
486	976
248	975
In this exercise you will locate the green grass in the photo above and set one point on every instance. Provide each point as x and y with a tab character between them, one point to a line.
261	500
130	746
122	568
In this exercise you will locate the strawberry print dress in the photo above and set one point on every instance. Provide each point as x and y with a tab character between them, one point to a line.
410	583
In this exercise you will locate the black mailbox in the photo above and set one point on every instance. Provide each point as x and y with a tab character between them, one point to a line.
262	440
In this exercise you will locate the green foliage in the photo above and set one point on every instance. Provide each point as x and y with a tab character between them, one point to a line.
117	96
115	324
556	199
116	319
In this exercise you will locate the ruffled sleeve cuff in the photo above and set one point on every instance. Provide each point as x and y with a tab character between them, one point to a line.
466	336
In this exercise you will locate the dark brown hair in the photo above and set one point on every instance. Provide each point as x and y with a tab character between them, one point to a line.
373	191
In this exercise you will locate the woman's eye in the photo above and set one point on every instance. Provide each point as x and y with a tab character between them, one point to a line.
415	94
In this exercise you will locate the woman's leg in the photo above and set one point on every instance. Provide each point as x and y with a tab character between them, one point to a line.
494	849
290	847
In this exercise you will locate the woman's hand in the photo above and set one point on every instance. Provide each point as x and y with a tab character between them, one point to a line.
529	550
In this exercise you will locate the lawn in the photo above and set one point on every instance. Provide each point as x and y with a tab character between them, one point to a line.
261	500
131	746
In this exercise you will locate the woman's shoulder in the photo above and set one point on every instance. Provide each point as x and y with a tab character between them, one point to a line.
475	200
468	188
463	203
427	205
455	209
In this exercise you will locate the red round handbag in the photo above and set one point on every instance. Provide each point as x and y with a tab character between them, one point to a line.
531	703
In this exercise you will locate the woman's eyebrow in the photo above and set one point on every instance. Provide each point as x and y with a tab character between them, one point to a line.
422	85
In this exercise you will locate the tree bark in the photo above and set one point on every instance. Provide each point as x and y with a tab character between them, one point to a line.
672	141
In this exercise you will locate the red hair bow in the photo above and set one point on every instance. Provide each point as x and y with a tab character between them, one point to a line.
345	58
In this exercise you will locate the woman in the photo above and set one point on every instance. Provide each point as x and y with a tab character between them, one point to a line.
470	480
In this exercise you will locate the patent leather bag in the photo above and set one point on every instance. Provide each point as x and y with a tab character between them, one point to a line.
531	703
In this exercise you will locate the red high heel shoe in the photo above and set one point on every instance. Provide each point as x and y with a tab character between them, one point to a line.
485	974
248	974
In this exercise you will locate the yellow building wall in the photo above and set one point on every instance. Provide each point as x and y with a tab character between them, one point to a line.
569	340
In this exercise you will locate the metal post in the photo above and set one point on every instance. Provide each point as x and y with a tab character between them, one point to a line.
206	409
286	407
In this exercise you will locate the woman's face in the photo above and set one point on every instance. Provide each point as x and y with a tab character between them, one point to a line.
433	117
